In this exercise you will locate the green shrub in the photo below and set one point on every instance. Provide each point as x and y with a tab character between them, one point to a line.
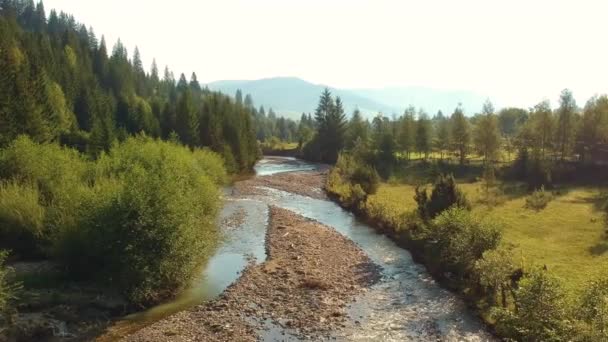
211	164
54	170
44	185
461	239
540	313
593	310
7	292
141	218
366	177
495	271
532	169
445	194
352	180
149	221
539	199
22	220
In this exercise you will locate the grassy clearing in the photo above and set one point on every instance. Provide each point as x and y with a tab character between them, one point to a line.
503	157
275	145
568	236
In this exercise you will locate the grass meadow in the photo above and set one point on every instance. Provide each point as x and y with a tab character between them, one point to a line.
568	236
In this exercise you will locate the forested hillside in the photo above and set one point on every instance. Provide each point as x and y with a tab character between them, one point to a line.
62	83
110	175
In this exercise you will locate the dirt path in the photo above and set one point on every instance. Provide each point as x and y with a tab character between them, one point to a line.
311	274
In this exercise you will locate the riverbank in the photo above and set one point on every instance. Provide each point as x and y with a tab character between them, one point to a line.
51	307
311	274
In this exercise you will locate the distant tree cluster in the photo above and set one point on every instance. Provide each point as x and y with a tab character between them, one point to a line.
59	83
535	139
269	125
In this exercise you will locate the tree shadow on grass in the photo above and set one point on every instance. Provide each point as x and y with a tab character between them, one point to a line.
514	190
599	200
599	249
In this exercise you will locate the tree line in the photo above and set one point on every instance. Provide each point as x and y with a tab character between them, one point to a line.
59	83
537	136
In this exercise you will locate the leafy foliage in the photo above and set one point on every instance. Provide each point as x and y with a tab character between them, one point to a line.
539	199
352	180
22	220
496	271
141	218
540	313
44	184
487	135
8	291
594	308
445	194
461	239
149	220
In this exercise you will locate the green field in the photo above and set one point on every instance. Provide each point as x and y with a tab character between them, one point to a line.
568	236
279	146
503	156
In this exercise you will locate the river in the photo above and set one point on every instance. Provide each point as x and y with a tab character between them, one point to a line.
406	304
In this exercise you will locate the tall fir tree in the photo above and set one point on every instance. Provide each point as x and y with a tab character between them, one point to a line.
461	134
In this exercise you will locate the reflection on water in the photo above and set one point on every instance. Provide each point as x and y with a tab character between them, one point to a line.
240	242
274	165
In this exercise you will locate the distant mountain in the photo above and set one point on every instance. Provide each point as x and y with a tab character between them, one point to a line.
431	100
291	96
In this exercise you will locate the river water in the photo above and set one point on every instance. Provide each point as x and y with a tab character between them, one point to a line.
405	305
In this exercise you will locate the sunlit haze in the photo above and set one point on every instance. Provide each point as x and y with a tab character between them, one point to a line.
515	52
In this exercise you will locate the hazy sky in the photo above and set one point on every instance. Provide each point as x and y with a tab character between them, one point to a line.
517	52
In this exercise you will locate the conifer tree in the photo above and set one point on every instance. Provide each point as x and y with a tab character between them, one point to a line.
357	130
487	134
461	135
423	134
566	123
238	97
407	133
443	140
248	102
195	86
187	120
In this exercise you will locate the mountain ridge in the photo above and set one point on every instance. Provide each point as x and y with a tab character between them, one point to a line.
291	96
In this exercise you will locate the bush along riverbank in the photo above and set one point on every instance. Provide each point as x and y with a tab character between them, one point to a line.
465	252
129	228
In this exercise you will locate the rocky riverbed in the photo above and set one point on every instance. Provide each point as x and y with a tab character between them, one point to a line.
312	273
305	183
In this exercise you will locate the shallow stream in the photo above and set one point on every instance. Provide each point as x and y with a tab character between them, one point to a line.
406	304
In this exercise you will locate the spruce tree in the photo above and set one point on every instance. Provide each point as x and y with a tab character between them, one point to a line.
357	130
461	134
238	97
407	132
566	123
424	134
487	134
187	120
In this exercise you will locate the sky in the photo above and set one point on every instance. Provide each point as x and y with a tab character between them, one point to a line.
516	52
